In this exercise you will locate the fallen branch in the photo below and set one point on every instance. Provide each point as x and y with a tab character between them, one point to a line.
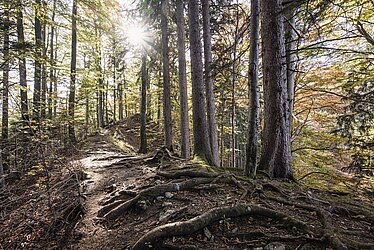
213	215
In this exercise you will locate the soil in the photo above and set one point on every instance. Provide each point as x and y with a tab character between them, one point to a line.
296	217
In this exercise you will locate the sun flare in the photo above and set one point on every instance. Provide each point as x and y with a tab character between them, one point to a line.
137	35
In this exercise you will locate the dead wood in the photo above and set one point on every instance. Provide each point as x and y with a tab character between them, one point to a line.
213	215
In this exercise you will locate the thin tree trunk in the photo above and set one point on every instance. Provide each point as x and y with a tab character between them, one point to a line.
223	103
143	109
73	72
291	58
251	155
276	152
55	94
201	138
166	75
22	67
233	99
38	54
185	131
120	99
52	63
114	89
44	69
5	104
211	108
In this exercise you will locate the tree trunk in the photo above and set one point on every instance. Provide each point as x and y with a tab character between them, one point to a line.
185	131
143	109
120	99
166	74
233	98
211	108
55	94
114	88
44	68
251	155
22	67
52	62
276	153
5	104
73	72
291	58
38	54
201	139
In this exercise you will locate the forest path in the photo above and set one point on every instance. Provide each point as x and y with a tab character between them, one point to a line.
103	177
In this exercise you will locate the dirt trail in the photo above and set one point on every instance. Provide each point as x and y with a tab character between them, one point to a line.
103	177
162	202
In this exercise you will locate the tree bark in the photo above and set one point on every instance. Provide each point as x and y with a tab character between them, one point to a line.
201	139
52	63
276	152
73	72
5	90
38	54
251	155
291	58
209	89
44	67
166	75
185	131
143	109
22	67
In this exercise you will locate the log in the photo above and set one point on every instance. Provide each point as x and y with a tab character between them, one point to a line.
211	216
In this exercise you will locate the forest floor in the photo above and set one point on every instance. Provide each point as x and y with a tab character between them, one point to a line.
158	201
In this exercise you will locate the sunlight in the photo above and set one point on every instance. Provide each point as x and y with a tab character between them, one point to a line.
137	35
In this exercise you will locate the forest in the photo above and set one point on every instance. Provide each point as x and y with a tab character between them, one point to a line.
187	124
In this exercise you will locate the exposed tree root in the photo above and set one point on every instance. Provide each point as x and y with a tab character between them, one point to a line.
186	173
213	215
116	209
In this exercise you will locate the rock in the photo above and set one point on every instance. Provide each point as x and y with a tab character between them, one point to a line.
167	204
275	246
166	215
142	205
168	195
160	198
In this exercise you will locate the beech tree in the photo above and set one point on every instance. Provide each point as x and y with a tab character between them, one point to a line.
276	151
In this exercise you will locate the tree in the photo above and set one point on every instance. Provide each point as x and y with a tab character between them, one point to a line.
51	58
211	107
5	90
276	151
143	109
251	161
73	72
22	66
38	66
166	74
185	132
201	138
